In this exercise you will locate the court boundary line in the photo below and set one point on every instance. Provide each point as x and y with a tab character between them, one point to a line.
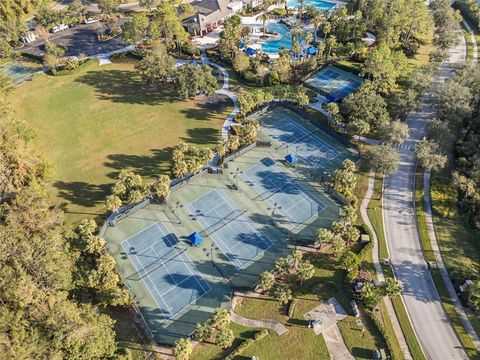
218	240
155	288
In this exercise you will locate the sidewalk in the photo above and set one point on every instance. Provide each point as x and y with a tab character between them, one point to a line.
441	265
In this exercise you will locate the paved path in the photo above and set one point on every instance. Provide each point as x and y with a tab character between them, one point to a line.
435	333
473	39
441	266
335	344
378	268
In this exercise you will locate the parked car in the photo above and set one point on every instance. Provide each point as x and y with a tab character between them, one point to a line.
60	27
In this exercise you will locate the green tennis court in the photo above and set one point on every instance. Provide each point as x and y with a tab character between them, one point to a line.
18	72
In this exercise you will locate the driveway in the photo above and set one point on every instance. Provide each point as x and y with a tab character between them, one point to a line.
79	39
431	324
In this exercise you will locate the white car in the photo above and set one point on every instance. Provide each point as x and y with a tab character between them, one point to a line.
90	20
60	27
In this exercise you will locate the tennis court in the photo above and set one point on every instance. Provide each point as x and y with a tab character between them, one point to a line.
18	72
283	193
299	141
167	272
335	82
229	228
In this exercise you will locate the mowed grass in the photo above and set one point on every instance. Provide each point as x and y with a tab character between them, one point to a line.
102	119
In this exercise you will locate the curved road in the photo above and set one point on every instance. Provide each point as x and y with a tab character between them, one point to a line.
431	324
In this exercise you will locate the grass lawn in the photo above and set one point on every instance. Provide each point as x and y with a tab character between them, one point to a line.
468	41
374	212
102	119
423	53
206	351
327	282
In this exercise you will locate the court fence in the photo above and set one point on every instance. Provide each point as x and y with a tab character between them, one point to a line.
240	152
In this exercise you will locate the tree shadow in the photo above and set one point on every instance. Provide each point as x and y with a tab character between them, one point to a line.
362	353
205	107
126	87
82	193
145	165
202	136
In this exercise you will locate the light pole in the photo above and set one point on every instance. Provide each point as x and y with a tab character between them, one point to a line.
275	208
383	191
235	176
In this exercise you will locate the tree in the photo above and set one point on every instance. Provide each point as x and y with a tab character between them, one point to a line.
453	102
267	280
384	159
264	17
203	332
305	271
241	63
108	6
221	319
182	349
130	187
474	295
385	66
168	25
149	4
349	261
344	179
161	187
137	29
392	287
297	257
323	236
338	245
282	267
191	80
224	338
404	103
157	67
371	295
281	293
318	19
364	111
113	203
429	155
395	132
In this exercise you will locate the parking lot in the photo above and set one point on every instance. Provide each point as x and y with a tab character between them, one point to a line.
80	39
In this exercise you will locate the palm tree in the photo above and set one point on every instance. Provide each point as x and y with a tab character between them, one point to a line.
203	332
282	293
264	17
183	349
296	30
221	319
297	256
324	236
300	8
305	271
224	338
317	20
267	280
392	287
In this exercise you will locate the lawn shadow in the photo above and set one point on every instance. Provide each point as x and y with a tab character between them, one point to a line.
126	87
158	162
206	107
202	136
82	193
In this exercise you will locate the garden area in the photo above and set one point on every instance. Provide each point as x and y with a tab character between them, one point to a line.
99	120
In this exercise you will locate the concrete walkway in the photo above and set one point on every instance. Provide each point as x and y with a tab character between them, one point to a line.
441	265
378	268
473	39
225	91
335	344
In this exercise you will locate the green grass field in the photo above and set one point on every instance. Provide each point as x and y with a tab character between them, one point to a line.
100	120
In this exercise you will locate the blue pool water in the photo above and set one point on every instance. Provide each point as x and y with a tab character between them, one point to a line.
321	4
273	46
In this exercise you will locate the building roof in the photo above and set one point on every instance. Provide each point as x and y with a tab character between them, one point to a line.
209	12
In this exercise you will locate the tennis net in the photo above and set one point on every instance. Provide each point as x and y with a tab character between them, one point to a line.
224	221
140	274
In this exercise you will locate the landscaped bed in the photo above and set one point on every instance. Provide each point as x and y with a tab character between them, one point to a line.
102	119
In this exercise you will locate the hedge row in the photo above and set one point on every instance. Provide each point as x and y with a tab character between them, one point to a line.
386	336
291	307
247	343
73	71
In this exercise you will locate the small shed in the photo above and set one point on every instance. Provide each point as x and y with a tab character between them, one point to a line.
364	239
195	239
291	159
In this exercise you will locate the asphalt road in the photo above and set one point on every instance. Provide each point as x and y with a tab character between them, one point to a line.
79	39
431	324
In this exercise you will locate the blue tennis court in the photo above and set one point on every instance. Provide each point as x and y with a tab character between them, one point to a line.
169	275
281	191
299	141
229	228
18	72
335	82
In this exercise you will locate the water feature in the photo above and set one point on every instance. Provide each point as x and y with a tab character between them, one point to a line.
284	38
320	4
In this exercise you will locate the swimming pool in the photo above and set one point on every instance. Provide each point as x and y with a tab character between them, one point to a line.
320	4
273	46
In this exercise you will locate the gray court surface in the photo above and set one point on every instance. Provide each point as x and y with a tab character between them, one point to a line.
229	228
18	72
299	141
280	189
335	82
171	278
